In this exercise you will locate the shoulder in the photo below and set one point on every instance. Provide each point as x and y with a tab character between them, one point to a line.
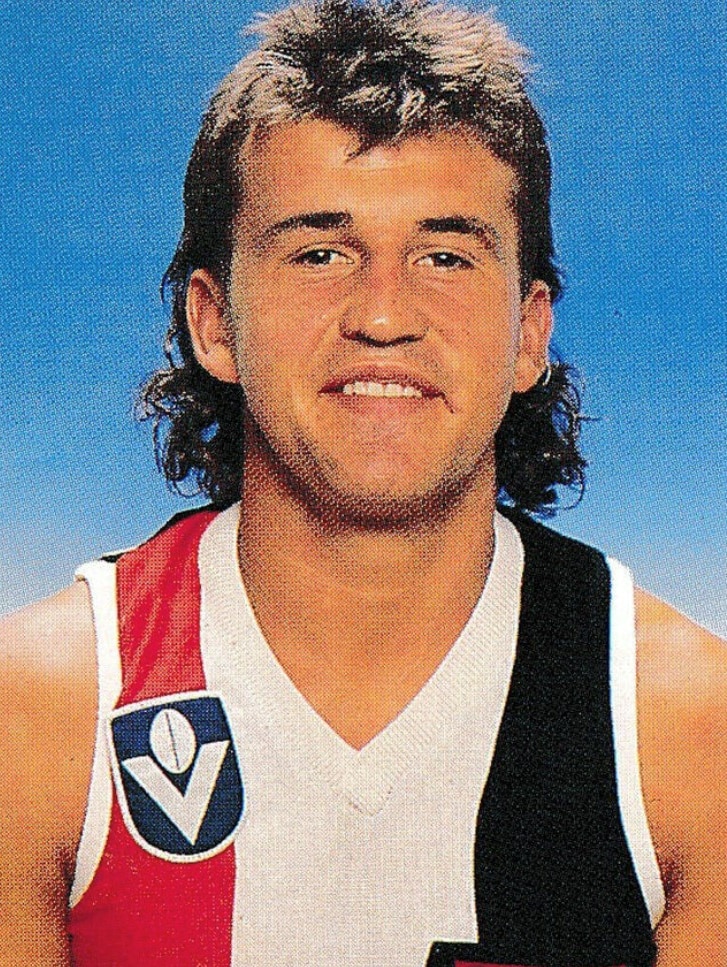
682	708
678	659
50	642
48	667
26	632
682	689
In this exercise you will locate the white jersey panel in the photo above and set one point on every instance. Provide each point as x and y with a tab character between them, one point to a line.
101	579
623	710
345	856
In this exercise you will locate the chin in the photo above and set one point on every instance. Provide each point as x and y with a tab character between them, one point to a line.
344	498
338	506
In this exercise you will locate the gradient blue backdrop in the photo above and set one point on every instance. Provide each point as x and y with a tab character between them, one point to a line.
100	104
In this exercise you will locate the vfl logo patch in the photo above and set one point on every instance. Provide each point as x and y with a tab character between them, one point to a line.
177	775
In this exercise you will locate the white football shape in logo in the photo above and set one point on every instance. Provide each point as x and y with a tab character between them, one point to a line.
172	741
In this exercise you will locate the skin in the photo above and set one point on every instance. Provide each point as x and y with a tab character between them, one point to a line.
383	297
356	508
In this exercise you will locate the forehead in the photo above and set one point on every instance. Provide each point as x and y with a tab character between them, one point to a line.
316	165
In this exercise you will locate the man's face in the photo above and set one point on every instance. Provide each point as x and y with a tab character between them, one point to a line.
375	315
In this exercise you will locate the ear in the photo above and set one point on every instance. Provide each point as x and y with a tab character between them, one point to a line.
536	326
208	327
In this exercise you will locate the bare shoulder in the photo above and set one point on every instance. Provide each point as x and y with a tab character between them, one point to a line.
682	676
668	640
54	633
682	698
48	667
682	688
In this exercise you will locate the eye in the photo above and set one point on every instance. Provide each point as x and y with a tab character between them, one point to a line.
446	260
320	258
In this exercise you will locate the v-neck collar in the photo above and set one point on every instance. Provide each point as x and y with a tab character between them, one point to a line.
481	658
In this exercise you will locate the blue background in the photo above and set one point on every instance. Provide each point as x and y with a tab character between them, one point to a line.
100	104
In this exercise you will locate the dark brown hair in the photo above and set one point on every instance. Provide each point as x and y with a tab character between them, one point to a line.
385	71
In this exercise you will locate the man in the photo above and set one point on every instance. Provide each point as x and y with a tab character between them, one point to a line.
409	733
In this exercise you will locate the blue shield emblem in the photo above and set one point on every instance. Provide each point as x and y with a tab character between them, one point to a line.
177	775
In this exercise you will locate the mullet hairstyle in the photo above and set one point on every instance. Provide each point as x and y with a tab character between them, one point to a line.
386	71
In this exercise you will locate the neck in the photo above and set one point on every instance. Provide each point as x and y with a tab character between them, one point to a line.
356	612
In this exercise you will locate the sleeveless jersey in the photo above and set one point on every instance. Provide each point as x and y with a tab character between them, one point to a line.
497	820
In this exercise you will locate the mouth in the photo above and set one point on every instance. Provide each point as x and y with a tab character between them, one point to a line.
372	388
389	385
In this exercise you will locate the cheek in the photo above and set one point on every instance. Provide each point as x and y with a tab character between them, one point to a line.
274	346
480	309
485	345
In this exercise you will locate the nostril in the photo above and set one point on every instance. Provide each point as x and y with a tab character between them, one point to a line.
370	322
383	330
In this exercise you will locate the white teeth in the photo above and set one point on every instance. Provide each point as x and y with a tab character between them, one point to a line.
372	388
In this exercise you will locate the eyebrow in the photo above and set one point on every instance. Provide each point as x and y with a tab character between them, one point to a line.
464	225
323	221
327	220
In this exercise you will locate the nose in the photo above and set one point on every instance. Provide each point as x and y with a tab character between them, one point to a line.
383	310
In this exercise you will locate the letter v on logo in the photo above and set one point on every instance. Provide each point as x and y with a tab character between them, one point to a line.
186	810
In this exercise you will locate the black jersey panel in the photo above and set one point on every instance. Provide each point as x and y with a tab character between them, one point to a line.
554	879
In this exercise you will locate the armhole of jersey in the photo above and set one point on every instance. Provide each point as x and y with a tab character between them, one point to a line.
101	579
623	710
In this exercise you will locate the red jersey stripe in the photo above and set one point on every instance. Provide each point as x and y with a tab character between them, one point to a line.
158	595
140	908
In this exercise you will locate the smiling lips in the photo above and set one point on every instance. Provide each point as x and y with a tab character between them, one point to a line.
383	383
